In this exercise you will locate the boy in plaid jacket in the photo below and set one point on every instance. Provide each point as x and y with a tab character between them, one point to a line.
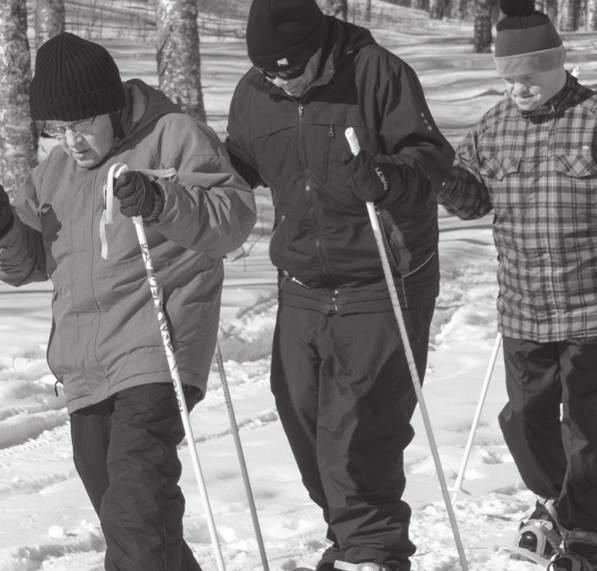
531	160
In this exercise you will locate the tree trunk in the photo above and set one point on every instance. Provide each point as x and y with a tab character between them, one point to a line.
419	4
436	9
338	8
550	8
367	10
178	55
17	146
482	27
568	15
591	15
48	20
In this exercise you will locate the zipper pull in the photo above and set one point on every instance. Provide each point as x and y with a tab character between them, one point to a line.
332	131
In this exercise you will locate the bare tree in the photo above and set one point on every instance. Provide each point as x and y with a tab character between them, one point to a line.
419	4
482	26
367	10
591	15
48	20
568	15
338	8
17	146
178	54
437	9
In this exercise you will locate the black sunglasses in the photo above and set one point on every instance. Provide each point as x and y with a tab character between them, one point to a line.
288	73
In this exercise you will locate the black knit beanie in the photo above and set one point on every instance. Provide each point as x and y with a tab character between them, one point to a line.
526	40
74	79
282	34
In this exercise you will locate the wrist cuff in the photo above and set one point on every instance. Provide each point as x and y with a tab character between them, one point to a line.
158	205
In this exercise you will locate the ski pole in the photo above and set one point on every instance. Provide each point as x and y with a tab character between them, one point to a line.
467	450
158	304
241	456
355	148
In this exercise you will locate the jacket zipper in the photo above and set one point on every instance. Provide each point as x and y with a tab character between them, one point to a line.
309	195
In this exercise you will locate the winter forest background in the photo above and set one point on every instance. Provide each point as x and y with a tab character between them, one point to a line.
195	52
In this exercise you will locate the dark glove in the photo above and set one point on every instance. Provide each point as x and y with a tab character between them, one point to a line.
6	215
369	182
136	192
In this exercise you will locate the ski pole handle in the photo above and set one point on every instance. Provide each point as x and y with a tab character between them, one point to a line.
353	141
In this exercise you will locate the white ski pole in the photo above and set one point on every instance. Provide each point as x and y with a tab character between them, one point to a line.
241	457
467	451
355	148
156	295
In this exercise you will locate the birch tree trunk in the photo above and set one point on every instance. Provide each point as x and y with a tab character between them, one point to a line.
436	9
367	10
482	27
338	8
17	143
568	15
591	15
178	55
48	20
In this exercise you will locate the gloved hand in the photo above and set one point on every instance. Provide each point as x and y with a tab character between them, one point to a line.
369	182
6	215
136	192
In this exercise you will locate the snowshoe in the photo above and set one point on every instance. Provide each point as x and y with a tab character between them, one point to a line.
570	562
580	552
539	536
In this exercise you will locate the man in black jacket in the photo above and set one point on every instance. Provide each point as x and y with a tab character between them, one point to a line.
339	372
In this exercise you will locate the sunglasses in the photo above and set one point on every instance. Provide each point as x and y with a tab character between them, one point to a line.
285	74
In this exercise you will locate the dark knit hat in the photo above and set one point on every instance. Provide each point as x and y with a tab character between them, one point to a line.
283	34
526	40
74	79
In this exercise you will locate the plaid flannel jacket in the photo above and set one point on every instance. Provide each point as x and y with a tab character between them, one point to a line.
537	172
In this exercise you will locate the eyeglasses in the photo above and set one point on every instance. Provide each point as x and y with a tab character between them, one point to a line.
285	74
82	127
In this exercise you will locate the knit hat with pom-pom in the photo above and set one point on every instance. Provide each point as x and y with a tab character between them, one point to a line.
526	40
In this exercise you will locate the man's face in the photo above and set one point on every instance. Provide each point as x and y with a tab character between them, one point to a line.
88	141
295	83
532	90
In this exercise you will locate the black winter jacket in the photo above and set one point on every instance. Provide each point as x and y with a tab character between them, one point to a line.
296	147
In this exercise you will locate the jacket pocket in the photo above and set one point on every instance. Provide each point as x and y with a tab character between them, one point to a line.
276	152
580	165
492	167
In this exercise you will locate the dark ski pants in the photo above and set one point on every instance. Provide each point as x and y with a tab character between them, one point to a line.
556	454
125	453
345	398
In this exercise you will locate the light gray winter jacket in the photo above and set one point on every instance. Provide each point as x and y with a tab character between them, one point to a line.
104	335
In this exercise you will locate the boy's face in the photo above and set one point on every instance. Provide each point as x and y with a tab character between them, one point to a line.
87	141
532	90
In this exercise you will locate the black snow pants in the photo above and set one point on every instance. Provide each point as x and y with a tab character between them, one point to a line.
125	453
555	449
345	399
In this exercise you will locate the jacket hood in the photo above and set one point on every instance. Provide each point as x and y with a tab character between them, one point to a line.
144	105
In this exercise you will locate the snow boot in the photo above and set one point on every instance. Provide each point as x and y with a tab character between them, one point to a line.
345	566
540	533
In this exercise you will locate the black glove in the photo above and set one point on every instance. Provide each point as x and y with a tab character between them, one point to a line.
369	182
136	192
6	215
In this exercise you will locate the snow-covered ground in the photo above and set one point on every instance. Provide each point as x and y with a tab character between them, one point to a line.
46	521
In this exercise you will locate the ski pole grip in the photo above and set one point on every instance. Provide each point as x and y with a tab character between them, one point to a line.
353	141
